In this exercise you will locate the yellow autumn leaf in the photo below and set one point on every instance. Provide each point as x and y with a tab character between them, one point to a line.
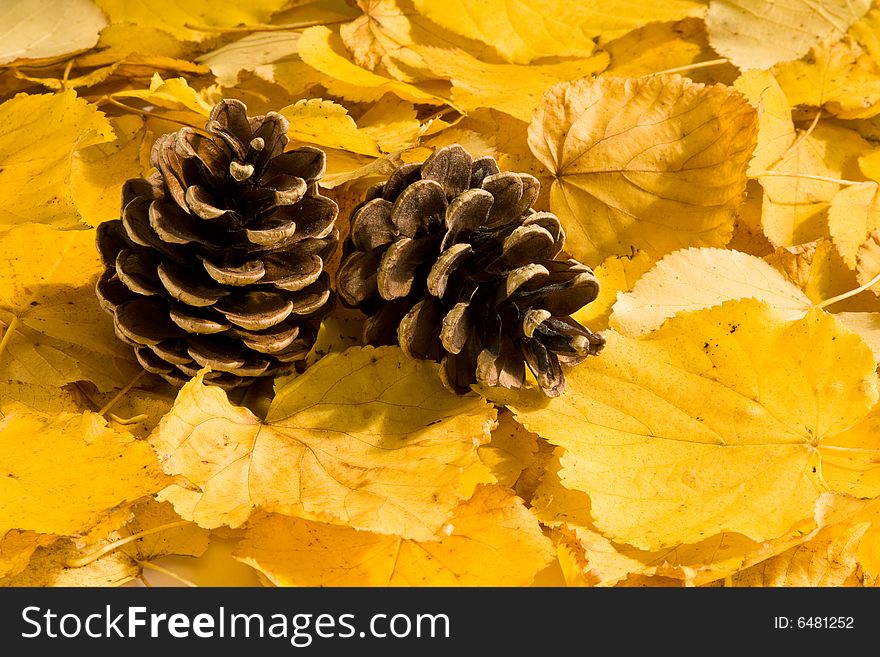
820	272
827	560
182	19
852	218
720	402
692	279
657	47
392	465
492	540
654	164
511	450
525	30
38	29
867	325
176	98
326	123
16	548
598	561
38	136
616	274
798	189
511	88
44	275
522	30
851	460
756	34
14	394
98	172
64	472
392	123
161	532
255	52
49	567
323	49
839	77
776	131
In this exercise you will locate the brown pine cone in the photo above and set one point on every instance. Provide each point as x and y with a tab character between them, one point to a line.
450	261
218	259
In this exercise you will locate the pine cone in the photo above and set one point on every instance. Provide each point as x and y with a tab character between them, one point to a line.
218	259
450	261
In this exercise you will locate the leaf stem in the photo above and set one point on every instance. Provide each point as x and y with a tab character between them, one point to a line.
136	110
124	421
170	573
691	67
7	335
119	395
847	295
92	556
808	176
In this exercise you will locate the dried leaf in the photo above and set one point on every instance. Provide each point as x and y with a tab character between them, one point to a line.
492	540
760	33
692	279
63	473
390	467
722	402
38	29
38	136
44	274
654	164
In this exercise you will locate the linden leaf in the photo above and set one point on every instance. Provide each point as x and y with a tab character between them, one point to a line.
799	188
163	533
255	52
657	47
655	164
760	33
776	131
328	124
511	88
16	548
36	398
818	269
37	29
98	172
853	218
367	438
63	473
49	567
618	273
44	275
839	77
867	325
829	559
511	450
522	30
182	19
850	459
323	49
492	540
38	136
691	279
723	402
392	122
186	104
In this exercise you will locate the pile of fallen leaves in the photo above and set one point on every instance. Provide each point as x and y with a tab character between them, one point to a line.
715	163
